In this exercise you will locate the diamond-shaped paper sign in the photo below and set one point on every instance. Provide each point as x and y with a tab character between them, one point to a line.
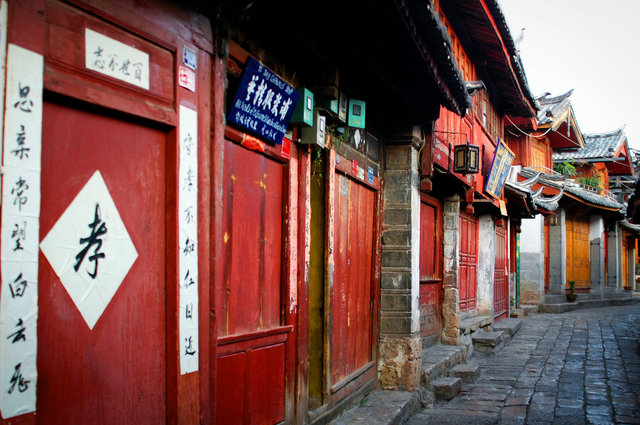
90	250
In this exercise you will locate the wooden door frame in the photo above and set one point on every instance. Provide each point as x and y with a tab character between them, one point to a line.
290	251
367	374
505	313
439	263
187	395
475	241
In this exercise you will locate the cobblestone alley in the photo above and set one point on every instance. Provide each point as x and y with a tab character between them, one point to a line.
581	367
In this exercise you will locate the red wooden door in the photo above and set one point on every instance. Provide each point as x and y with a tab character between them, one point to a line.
117	371
352	295
430	267
500	281
467	272
252	338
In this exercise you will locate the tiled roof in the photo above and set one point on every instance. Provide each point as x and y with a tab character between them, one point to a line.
552	107
592	197
601	145
570	188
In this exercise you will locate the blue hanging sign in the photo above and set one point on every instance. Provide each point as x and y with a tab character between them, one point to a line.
264	103
502	160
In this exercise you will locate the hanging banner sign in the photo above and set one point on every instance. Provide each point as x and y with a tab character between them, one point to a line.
264	103
500	166
20	232
188	242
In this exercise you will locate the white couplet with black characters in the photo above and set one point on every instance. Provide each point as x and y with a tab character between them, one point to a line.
188	242
20	227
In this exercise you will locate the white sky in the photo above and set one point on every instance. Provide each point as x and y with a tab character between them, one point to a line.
592	46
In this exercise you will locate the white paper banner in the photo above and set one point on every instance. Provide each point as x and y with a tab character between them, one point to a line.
115	59
90	249
20	230
188	242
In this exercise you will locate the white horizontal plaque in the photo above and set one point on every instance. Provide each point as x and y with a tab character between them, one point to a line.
115	59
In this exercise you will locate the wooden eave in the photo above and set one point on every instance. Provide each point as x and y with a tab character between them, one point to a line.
389	53
589	204
624	167
489	45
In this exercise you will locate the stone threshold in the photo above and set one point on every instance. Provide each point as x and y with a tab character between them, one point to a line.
473	323
381	407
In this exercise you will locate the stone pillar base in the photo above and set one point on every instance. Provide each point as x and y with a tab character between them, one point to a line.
400	364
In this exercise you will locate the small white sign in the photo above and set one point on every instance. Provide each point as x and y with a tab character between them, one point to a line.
90	250
187	78
115	59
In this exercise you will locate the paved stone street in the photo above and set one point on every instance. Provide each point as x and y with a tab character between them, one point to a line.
581	367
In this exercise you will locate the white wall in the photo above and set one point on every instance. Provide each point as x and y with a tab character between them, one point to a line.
596	227
532	234
486	263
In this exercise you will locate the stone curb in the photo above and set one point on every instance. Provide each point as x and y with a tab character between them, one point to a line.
381	407
564	307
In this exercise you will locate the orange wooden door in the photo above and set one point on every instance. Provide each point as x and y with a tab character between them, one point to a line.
578	263
352	294
467	271
252	336
117	371
430	267
500	281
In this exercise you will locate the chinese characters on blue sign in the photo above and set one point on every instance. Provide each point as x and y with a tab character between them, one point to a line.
502	160
264	103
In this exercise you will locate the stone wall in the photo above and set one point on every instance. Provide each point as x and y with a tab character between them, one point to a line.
557	255
450	306
532	261
531	277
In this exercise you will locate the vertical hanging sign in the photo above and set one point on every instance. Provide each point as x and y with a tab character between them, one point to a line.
188	242
20	232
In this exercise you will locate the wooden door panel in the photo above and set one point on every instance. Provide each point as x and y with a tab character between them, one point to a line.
116	372
252	259
352	295
430	267
250	387
250	380
578	261
500	283
467	272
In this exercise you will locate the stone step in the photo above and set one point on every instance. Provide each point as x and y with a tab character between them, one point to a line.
618	295
590	296
558	307
488	342
381	408
467	372
473	323
437	360
446	387
530	309
516	313
509	326
555	299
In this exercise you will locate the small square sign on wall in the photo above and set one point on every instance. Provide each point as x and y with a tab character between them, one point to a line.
189	58
187	78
